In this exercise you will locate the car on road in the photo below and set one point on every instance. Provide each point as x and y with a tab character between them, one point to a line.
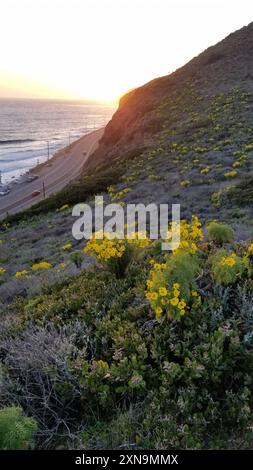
36	193
4	192
31	178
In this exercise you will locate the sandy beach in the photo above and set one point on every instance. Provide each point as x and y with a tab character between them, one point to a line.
53	175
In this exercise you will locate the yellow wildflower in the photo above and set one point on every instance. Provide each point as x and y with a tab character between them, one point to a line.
149	295
229	261
66	247
157	266
182	305
63	208
176	285
158	311
176	293
250	250
152	295
23	273
40	266
163	291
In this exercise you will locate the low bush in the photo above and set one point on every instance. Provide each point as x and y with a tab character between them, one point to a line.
220	233
241	194
115	253
16	430
41	379
228	268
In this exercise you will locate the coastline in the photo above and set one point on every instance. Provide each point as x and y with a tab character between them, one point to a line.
61	153
52	176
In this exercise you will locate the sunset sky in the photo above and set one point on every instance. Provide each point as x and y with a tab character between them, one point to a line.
99	49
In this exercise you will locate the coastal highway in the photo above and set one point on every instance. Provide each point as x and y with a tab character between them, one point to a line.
65	166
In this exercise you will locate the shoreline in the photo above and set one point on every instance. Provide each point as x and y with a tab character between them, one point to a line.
36	170
52	176
59	154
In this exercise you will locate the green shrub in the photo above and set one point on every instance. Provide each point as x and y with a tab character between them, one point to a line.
171	284
77	258
227	268
116	254
200	402
242	193
16	430
220	233
216	199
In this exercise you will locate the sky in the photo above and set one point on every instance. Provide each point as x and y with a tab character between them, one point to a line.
100	49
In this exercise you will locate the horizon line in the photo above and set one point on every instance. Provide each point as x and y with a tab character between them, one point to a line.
82	100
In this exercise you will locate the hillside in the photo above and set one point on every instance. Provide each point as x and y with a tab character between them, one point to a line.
186	137
116	344
172	99
196	125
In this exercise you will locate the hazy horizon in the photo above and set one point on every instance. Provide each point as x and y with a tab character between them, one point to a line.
98	50
67	100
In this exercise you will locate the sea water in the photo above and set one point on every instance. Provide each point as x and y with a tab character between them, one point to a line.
30	130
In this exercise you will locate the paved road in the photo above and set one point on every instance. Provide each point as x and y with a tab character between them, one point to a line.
66	166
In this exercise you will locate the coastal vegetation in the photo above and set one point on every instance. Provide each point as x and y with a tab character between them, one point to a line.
117	344
132	347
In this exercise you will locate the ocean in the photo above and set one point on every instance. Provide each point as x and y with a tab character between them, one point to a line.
29	129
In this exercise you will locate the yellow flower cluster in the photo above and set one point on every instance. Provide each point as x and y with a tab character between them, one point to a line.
2	271
67	247
63	208
168	289
227	268
105	249
228	261
248	147
20	274
236	164
230	174
170	300
185	183
205	170
190	234
141	240
250	250
41	266
115	196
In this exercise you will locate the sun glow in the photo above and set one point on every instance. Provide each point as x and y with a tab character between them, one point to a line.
99	49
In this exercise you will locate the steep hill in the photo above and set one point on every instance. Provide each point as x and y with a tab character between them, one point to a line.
192	132
219	69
